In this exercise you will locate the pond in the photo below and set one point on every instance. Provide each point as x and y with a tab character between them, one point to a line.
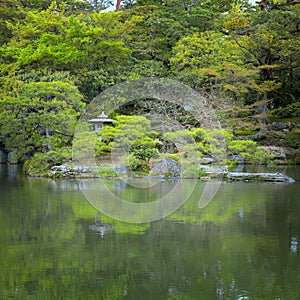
245	244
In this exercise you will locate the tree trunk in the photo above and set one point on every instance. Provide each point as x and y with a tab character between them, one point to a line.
261	109
118	5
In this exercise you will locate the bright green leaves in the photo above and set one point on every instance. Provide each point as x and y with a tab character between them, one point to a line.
131	139
62	93
198	141
148	37
127	133
50	40
202	50
218	143
88	46
236	19
49	51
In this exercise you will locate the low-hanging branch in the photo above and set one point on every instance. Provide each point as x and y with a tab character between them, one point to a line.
44	131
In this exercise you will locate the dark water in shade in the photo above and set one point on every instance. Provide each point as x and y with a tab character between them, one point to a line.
245	244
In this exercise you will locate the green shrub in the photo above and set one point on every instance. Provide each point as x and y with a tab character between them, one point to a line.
244	148
243	131
261	157
249	151
106	170
40	163
292	110
193	171
136	164
174	156
144	154
292	140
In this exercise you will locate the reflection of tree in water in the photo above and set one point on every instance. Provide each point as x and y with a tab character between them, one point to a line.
193	254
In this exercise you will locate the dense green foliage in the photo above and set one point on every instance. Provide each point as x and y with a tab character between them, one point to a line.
131	141
57	56
39	117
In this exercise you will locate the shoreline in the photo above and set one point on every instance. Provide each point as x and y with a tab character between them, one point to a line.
229	177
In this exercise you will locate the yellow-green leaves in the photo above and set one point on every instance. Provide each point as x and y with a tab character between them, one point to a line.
213	59
51	40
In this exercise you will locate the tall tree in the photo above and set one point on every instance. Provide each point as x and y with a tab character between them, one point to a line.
40	117
270	41
49	39
255	56
211	61
86	45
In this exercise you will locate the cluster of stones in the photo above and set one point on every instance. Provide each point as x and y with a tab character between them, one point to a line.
69	171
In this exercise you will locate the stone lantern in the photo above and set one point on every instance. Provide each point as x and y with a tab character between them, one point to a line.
100	121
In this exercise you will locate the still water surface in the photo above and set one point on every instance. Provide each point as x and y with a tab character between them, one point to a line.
244	245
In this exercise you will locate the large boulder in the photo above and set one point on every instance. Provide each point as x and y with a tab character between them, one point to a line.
120	169
206	160
167	167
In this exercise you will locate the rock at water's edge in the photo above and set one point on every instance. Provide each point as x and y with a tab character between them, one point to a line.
166	167
69	171
272	177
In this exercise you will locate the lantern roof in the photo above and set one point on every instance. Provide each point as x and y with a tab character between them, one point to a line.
103	118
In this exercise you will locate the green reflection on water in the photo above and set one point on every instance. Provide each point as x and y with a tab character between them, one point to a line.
240	244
